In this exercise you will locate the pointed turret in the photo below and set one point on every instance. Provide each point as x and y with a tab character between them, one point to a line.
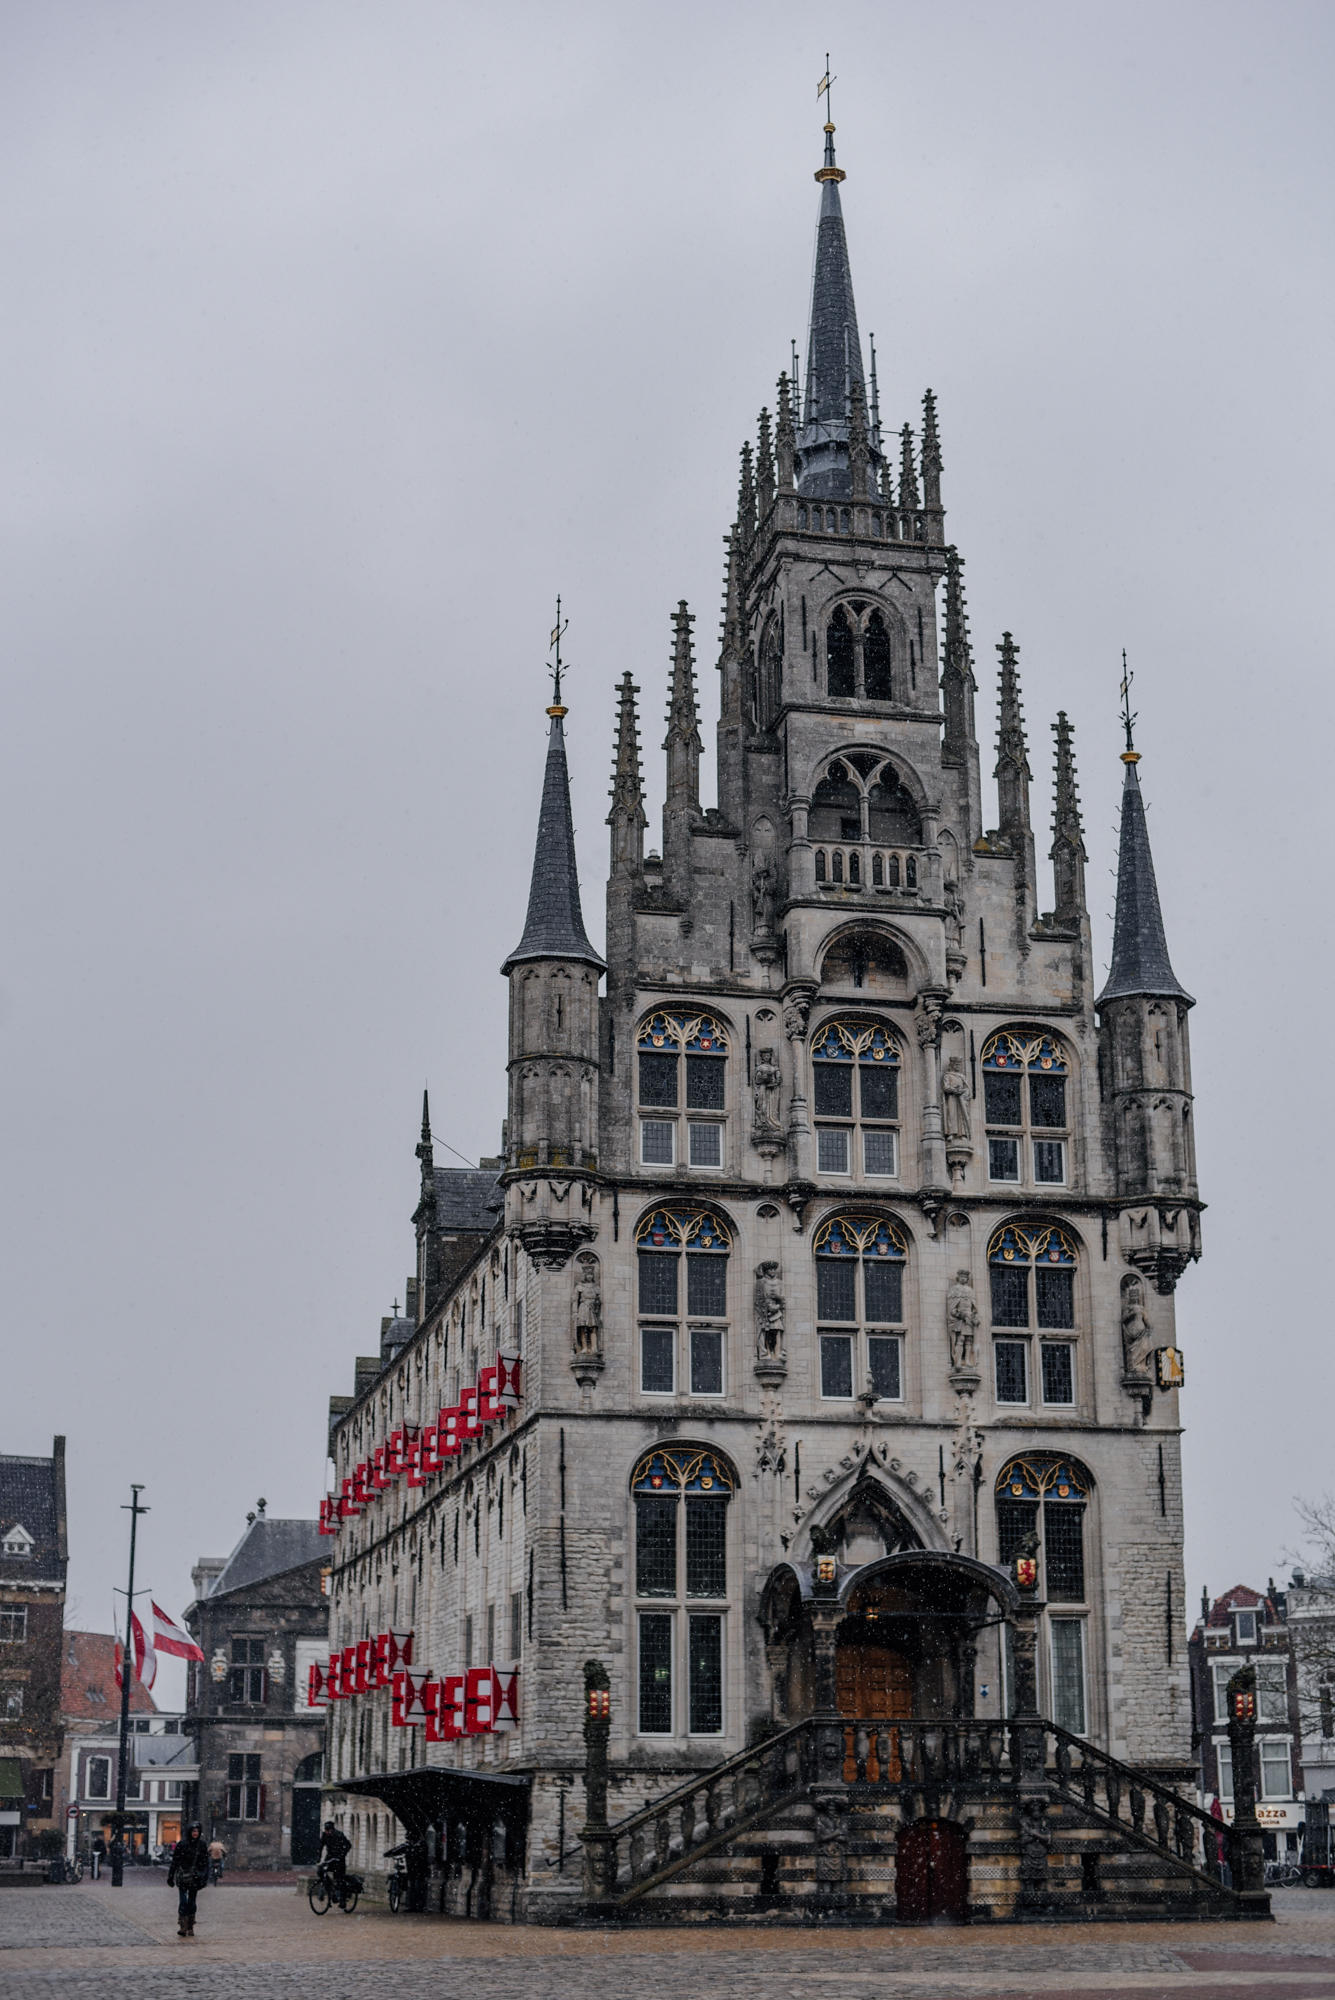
834	348
746	500
958	685
427	1282
681	805
785	437
1145	1058
1012	773
554	926
908	472
1140	962
1067	852
627	818
931	453
859	450
764	468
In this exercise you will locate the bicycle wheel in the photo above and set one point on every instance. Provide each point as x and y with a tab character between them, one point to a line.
318	1895
350	1901
395	1894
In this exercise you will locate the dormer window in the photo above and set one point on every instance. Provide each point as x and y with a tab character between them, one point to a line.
17	1542
1244	1625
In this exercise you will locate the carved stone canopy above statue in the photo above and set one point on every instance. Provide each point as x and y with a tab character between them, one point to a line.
866	961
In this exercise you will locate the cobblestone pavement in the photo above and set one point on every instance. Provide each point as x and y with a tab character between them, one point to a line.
95	1943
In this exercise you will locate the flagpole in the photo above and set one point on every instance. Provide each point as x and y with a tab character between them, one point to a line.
134	1510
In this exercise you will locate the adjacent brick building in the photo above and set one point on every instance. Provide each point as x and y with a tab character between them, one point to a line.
34	1554
261	1618
1249	1628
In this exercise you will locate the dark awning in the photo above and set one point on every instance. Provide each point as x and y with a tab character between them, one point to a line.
426	1796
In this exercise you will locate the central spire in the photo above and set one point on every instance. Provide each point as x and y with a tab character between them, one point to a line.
834	349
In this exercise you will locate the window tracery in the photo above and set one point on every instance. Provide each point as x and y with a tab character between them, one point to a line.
1041	1499
1031	1272
670	1041
860	1264
856	1066
1025	1075
680	1495
683	1341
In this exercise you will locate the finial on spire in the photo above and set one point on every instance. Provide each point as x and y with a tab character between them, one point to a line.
746	499
1130	755
1067	852
556	709
908	472
426	1117
829	171
765	467
875	397
1012	772
957	680
796	381
931	452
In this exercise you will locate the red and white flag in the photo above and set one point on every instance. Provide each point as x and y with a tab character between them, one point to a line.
169	1637
145	1658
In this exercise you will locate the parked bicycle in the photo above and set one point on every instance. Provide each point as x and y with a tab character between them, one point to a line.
1282	1874
397	1886
325	1891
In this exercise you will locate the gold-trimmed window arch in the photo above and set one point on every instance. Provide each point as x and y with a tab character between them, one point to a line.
856	1064
682	1254
861	1260
1042	1499
680	1493
681	1087
1032	1268
1026	1104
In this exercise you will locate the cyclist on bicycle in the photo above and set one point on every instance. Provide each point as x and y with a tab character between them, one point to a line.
333	1863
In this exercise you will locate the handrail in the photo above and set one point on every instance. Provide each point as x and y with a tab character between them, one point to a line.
1178	1841
755	1753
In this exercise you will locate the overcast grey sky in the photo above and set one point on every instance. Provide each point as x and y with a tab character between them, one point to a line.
336	339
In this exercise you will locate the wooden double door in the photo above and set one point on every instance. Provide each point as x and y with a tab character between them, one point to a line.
873	1682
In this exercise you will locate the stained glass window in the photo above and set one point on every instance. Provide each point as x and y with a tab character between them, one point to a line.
681	1495
682	1059
1046	1494
1025	1076
667	1239
860	1262
855	1069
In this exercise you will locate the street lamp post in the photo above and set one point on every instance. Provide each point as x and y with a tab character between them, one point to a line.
134	1510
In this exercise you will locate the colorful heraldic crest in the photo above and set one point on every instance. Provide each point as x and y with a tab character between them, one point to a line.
1009	1050
1045	1244
856	1041
683	1229
859	1236
1043	1476
672	1033
673	1469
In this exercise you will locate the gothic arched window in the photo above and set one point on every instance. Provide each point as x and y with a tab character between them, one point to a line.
669	1042
1025	1076
1032	1279
682	1256
840	675
876	660
893	817
1041	1500
856	1067
681	1494
836	809
860	1262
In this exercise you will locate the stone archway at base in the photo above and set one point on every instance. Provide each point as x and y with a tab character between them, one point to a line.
932	1872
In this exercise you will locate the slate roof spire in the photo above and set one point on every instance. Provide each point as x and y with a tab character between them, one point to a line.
1140	963
554	926
834	348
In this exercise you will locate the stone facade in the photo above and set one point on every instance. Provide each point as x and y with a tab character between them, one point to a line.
260	1617
34	1555
843	1225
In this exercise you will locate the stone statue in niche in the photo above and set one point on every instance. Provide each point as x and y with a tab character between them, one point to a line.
588	1308
962	1323
766	1079
762	897
954	903
1137	1334
769	1312
955	1100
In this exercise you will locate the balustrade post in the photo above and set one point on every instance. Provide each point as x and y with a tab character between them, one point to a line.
1246	1841
599	1868
1029	1750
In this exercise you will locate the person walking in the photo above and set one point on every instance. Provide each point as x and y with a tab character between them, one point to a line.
97	1855
188	1873
217	1856
335	1847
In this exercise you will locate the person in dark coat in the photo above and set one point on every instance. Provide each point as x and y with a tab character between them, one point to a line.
188	1873
335	1847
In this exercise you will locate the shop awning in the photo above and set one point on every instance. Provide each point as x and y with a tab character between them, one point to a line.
425	1796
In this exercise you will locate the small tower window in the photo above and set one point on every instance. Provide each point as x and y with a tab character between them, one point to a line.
668	1043
840	674
682	1257
681	1495
1031	1275
856	1067
860	1263
1025	1103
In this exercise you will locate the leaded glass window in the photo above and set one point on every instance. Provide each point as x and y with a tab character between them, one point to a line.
1025	1087
682	1059
855	1077
1041	1498
1031	1274
1068	1674
860	1264
682	1255
680	1494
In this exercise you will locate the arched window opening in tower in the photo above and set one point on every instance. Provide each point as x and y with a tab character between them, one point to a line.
668	1041
860	1262
867	962
683	1324
893	817
1031	1275
680	1493
1025	1075
836	809
1041	1500
840	677
856	1067
876	664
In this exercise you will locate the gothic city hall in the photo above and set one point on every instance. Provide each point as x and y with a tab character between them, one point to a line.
768	1505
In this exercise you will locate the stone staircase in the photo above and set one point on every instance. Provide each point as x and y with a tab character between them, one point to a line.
807	1827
